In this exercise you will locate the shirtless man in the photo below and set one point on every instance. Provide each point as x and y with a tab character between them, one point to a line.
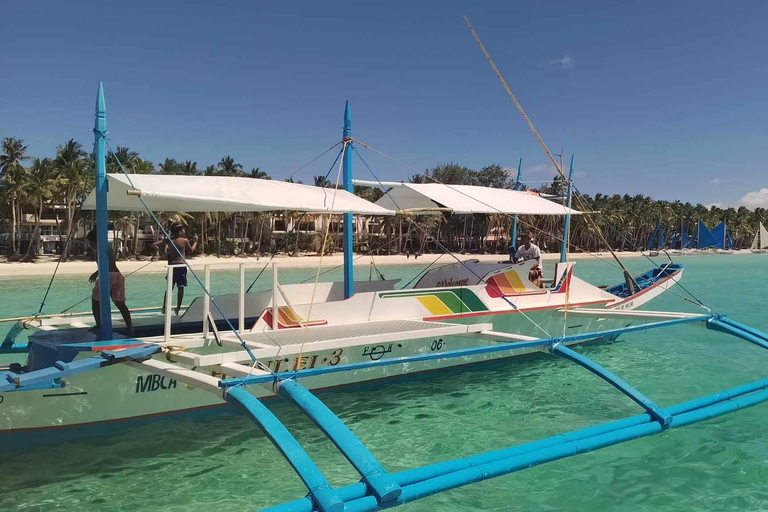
116	288
177	258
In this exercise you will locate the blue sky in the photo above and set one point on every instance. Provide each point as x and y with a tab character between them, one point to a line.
666	99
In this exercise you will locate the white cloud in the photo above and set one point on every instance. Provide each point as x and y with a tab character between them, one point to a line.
755	199
565	61
715	181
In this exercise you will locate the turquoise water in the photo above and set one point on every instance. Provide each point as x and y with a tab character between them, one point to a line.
223	462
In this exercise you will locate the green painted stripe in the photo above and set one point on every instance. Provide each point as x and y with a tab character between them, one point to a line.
458	300
471	300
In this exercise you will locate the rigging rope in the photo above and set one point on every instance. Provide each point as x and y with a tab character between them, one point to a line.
445	249
168	237
322	255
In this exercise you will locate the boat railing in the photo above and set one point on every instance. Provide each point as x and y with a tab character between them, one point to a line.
207	320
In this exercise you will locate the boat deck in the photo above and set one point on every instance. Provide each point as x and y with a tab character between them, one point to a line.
361	333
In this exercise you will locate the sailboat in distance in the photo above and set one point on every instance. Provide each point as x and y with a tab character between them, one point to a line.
760	243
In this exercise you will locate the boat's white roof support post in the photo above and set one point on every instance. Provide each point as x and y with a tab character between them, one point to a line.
241	301
168	301
206	301
102	216
275	286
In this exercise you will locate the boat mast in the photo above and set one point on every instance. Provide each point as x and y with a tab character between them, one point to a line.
349	283
518	186
100	131
567	228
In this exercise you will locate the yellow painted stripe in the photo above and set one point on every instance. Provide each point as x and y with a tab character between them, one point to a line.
515	281
434	305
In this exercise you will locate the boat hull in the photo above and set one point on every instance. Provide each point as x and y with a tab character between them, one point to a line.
106	397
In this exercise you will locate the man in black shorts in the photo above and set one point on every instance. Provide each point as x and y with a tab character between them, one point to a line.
177	258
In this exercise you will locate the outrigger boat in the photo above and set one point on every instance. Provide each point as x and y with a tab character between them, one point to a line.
464	305
313	337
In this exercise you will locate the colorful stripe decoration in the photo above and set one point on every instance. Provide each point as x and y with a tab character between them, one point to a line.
287	320
444	302
507	283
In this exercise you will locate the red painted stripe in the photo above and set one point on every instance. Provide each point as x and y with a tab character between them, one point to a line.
646	290
507	311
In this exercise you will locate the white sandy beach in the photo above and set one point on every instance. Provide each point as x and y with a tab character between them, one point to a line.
45	266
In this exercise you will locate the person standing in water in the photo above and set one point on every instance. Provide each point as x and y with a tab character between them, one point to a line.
176	257
116	288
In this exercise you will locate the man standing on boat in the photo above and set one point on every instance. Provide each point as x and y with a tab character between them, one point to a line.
529	251
116	288
177	252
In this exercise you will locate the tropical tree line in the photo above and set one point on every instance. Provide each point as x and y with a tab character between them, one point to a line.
623	222
626	222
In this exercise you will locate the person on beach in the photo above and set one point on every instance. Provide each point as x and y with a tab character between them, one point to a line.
530	251
116	287
176	251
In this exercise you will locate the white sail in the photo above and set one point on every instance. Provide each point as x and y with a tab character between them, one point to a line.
756	241
763	237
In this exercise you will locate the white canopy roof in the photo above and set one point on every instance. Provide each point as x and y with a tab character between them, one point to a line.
469	199
227	194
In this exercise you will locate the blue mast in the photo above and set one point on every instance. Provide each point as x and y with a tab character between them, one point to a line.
513	233
100	131
349	283
567	228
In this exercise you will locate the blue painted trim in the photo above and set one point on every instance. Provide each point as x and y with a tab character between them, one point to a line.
349	281
100	132
61	369
320	490
567	227
501	347
373	473
656	412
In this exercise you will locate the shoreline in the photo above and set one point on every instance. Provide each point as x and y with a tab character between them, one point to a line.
45	267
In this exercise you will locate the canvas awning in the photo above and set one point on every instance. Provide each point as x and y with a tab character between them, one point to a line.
466	199
227	194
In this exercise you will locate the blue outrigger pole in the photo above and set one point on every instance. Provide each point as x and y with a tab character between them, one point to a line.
349	281
102	218
567	228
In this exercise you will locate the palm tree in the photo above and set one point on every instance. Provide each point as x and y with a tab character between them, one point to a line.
170	166
13	177
228	167
126	157
322	181
188	168
143	167
72	168
256	172
210	171
41	187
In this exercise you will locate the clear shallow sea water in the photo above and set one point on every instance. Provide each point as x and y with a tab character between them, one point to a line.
222	461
